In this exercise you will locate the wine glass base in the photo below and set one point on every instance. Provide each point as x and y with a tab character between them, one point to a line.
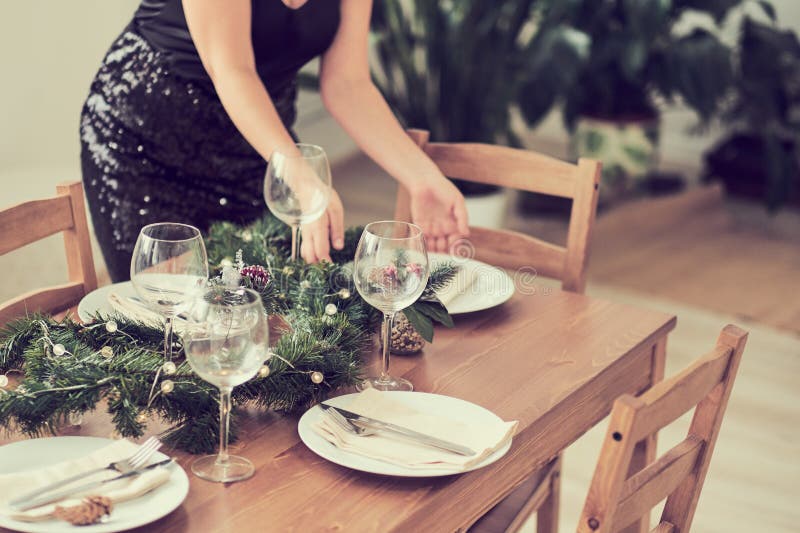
388	384
235	469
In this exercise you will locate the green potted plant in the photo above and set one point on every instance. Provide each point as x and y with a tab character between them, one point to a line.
759	157
454	68
638	61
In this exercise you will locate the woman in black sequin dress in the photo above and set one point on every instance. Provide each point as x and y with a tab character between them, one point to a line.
195	95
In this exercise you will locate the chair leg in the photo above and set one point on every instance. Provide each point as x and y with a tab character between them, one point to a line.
513	511
547	515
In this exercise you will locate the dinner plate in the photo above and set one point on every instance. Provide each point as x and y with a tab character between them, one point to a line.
97	300
36	453
434	404
492	286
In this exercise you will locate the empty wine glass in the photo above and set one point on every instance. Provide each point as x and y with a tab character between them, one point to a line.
168	266
226	347
297	187
390	272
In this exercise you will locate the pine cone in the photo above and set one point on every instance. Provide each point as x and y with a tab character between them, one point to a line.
91	511
405	340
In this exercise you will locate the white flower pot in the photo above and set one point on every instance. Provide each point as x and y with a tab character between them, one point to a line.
488	210
628	150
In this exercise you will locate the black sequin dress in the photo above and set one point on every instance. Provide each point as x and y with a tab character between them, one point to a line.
156	143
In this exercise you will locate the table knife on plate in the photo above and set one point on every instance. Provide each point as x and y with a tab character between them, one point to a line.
400	430
55	496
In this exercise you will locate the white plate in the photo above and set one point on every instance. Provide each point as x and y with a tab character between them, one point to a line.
435	404
491	288
97	300
36	453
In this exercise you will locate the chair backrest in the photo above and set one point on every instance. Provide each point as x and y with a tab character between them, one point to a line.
615	498
30	221
527	171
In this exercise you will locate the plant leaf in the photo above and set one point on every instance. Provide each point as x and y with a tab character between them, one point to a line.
421	323
716	8
703	71
435	310
768	9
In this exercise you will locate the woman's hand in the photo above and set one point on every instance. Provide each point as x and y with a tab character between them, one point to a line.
437	207
317	236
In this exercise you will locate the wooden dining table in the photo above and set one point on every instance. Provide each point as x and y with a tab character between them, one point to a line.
553	360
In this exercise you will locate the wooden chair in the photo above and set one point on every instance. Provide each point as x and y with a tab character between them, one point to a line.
617	499
527	171
30	221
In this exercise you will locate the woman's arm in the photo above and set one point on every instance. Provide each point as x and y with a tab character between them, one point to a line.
353	100
221	30
221	34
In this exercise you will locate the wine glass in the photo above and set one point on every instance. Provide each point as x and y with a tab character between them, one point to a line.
226	347
390	272
168	266
297	187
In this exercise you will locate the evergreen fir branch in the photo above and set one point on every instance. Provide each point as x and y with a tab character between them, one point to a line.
123	367
16	335
441	276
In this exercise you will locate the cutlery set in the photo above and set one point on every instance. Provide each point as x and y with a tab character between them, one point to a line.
363	426
133	466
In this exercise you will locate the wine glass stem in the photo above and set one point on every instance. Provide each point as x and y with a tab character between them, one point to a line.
168	338
295	242
224	423
387	335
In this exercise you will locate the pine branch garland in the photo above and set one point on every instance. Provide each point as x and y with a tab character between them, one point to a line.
123	365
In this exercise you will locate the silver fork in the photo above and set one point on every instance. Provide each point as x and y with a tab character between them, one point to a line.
142	455
347	425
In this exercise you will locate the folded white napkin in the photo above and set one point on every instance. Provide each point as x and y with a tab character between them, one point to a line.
13	485
468	272
384	446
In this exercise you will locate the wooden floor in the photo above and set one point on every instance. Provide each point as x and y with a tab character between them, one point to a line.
687	248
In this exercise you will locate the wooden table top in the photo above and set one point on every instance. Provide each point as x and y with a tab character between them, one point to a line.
554	361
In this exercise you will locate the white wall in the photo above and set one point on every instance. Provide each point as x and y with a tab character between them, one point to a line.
49	52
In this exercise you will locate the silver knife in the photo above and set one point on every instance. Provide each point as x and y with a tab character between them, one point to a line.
55	496
400	430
